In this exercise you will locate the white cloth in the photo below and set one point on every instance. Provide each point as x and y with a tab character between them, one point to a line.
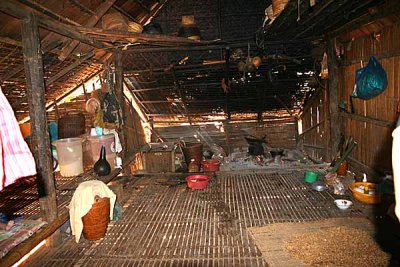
82	202
117	145
396	169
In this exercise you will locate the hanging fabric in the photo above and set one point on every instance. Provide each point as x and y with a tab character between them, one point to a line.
16	158
111	108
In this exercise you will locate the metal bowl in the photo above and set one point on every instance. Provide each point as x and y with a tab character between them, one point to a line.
319	186
343	204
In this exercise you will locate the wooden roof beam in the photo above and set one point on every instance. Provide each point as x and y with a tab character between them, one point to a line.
14	71
58	75
321	19
81	6
143	6
120	10
153	12
113	36
45	11
101	10
17	11
10	41
381	12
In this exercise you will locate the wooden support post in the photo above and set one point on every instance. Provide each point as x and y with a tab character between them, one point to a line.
37	108
120	96
227	82
326	123
335	119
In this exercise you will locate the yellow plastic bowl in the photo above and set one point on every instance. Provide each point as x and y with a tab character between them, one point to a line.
366	198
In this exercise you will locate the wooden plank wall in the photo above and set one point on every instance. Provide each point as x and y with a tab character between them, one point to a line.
280	134
373	136
314	138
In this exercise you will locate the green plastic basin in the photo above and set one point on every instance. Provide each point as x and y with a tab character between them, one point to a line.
311	177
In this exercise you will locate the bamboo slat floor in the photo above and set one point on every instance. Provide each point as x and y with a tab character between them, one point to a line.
175	226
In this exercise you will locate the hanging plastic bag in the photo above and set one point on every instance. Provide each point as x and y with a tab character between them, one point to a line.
370	80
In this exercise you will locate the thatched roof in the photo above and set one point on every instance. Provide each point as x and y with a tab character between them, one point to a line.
175	77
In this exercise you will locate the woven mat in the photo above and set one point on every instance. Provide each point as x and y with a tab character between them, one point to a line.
271	239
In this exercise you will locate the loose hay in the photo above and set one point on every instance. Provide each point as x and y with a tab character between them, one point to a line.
337	246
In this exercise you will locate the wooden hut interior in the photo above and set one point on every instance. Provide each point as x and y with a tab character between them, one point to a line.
199	133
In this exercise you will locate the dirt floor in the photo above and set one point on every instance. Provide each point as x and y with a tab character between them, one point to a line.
171	225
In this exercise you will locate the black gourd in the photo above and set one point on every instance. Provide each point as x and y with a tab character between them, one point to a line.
102	167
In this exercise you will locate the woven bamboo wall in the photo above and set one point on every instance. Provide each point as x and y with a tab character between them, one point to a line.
373	136
281	134
135	137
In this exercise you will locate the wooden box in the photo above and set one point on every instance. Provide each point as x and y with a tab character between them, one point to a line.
158	157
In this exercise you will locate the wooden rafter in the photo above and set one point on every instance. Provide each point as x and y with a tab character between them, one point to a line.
17	69
10	41
146	8
14	10
120	10
59	75
44	10
81	6
92	21
381	12
126	37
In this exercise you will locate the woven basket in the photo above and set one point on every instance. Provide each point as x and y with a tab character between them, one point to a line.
95	222
114	21
71	125
278	6
135	27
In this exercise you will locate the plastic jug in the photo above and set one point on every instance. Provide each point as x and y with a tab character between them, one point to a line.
70	156
108	141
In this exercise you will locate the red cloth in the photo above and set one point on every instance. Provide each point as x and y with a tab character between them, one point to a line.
15	157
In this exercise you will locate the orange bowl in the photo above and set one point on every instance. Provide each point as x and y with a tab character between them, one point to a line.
366	198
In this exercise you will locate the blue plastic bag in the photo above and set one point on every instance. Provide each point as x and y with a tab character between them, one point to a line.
370	80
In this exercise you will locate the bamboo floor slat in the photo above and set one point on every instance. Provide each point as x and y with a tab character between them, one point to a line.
175	226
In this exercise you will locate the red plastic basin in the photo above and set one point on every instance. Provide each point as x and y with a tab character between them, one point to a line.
197	181
210	165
